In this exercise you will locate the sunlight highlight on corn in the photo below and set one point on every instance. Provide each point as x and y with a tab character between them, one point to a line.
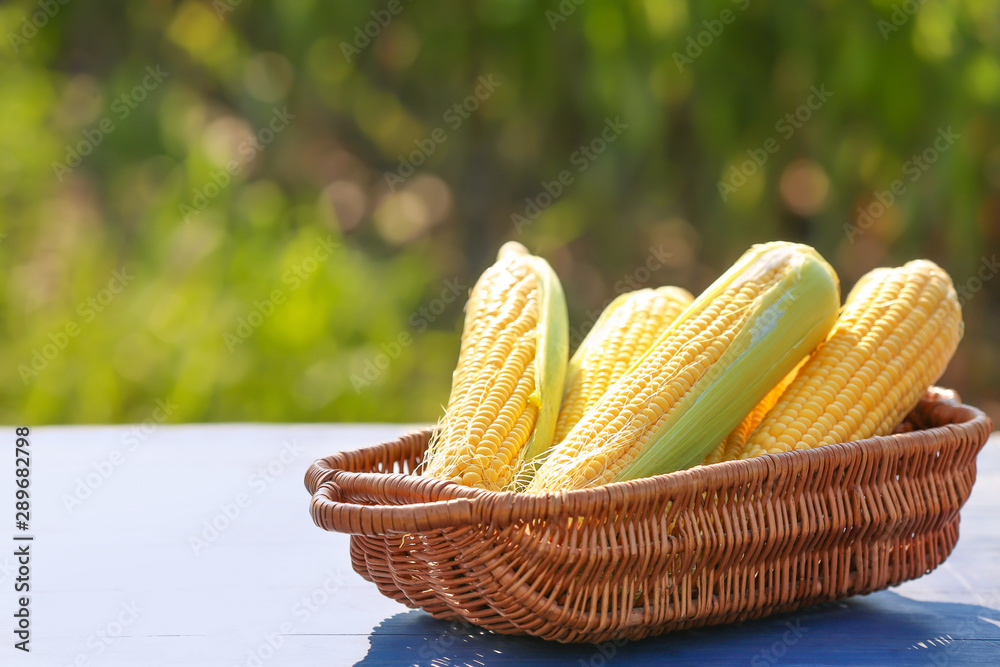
898	330
704	374
622	334
505	390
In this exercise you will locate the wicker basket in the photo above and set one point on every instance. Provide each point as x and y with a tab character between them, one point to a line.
713	544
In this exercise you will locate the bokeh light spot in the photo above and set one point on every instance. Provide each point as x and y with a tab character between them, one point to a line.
268	76
348	201
804	186
402	217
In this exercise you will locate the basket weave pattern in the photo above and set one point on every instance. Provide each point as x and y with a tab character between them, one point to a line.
713	544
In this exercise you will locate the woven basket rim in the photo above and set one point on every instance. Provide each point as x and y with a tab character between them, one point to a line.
713	544
468	506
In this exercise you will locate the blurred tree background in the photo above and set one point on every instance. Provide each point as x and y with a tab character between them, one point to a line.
292	193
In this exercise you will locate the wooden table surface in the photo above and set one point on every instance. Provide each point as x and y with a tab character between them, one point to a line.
128	569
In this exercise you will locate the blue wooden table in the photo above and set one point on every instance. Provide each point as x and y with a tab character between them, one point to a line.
193	545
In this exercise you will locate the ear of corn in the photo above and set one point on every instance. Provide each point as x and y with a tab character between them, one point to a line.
704	374
898	330
731	448
506	388
622	334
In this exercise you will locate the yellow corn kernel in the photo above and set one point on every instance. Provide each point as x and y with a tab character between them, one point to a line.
511	368
624	331
894	338
704	374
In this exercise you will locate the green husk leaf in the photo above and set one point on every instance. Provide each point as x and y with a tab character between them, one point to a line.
791	319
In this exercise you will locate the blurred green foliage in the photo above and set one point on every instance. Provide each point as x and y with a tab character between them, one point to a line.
268	272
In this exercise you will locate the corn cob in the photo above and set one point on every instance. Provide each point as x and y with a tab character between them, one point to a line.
622	334
898	330
506	388
704	374
730	448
